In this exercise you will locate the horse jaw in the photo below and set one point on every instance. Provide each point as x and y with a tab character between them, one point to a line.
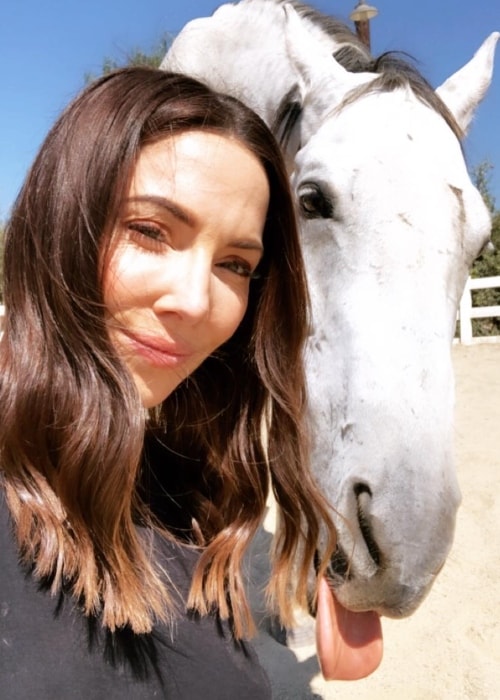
463	91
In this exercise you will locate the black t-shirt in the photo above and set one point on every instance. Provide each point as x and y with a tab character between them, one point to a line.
50	651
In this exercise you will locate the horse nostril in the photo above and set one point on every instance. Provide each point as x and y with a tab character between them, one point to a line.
363	499
338	568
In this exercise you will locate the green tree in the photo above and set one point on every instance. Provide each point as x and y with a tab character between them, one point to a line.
137	57
488	263
481	176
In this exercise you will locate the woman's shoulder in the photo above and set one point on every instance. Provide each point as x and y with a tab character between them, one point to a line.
52	650
8	549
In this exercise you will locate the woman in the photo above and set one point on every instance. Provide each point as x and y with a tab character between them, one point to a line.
155	318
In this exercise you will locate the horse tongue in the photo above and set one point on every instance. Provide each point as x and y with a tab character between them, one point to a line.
349	644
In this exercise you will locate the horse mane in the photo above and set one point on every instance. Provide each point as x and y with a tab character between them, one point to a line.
352	54
395	69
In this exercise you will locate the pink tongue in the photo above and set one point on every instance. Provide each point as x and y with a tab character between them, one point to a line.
349	644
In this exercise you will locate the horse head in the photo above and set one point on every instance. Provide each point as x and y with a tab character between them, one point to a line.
390	224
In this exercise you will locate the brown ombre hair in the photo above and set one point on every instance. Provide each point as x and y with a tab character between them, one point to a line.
72	431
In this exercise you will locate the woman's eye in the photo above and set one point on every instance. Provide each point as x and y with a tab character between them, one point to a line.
239	267
147	230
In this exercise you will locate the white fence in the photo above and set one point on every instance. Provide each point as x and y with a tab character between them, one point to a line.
465	314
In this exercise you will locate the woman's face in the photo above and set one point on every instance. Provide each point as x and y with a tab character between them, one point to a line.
186	244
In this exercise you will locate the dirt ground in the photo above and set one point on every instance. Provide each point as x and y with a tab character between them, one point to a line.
450	648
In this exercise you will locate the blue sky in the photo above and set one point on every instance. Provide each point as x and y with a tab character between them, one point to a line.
46	49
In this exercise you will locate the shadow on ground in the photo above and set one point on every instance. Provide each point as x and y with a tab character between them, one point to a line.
290	678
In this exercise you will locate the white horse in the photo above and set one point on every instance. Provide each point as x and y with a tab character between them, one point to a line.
390	224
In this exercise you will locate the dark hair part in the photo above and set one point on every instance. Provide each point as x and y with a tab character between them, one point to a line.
72	431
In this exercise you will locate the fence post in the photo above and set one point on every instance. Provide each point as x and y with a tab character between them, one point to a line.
465	315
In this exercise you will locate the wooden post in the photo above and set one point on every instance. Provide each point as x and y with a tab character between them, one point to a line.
465	315
363	32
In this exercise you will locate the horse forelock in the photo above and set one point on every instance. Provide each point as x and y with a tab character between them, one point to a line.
287	117
394	68
331	26
394	73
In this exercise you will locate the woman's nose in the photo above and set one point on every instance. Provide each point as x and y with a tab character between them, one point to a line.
185	288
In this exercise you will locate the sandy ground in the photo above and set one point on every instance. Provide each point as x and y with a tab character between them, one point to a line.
450	648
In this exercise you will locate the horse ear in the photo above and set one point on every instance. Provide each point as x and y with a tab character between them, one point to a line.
313	60
465	89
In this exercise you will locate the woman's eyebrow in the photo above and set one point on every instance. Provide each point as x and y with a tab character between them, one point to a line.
248	244
188	218
164	203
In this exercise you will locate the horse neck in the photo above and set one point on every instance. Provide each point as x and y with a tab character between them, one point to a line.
242	50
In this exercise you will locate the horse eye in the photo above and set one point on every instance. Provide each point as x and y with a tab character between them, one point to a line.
313	203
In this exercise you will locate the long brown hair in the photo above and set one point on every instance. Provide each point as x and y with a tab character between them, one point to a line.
72	430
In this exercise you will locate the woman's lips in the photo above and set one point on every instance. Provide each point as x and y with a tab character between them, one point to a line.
158	351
